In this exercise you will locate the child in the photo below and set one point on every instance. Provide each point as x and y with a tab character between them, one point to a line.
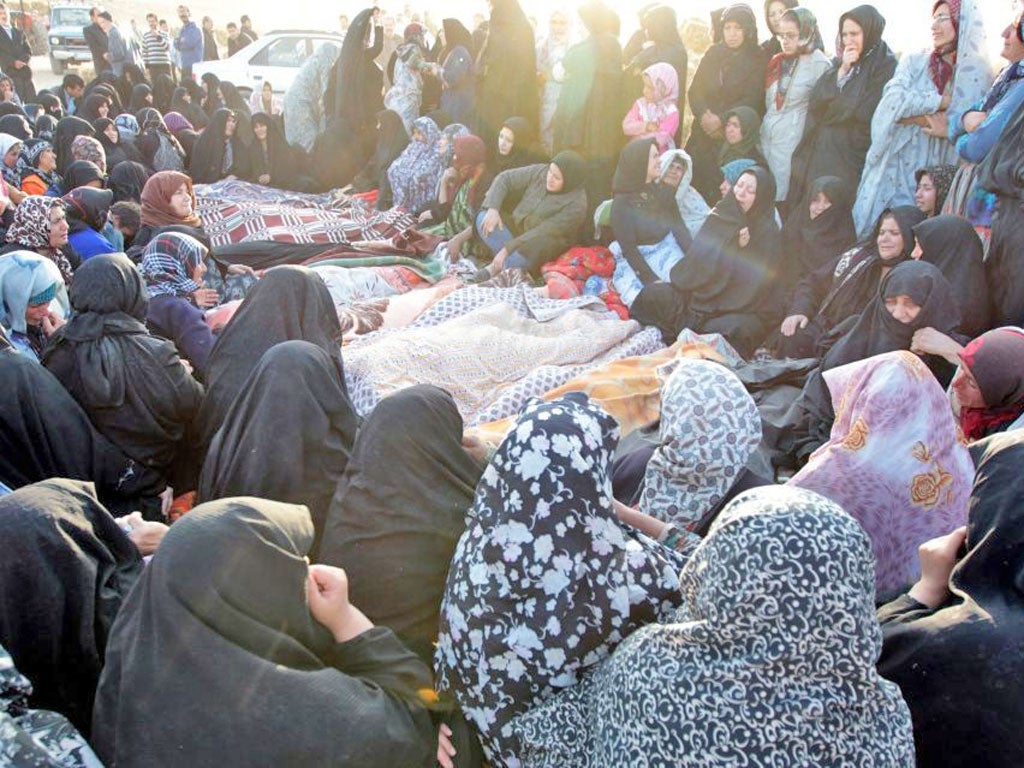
655	114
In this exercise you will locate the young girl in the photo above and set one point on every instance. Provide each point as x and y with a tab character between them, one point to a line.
655	114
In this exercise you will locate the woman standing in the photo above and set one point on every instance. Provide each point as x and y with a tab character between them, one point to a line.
506	71
406	93
550	53
456	72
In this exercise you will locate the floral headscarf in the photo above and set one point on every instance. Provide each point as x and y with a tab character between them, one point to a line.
31	230
88	148
127	125
451	133
168	263
415	172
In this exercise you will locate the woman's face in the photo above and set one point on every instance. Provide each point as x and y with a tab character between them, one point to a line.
649	94
103	109
733	130
442	144
853	36
653	164
34	313
268	91
558	25
417	135
745	191
819	205
673	175
943	30
11	158
732	34
181	202
186	97
555	180
789	37
148	99
918	251
260	130
968	393
924	198
58	227
724	188
229	127
506	140
112	134
776	11
6	89
48	161
903	308
1013	48
890	239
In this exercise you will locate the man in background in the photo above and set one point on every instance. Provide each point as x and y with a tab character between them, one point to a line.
237	39
189	43
247	28
117	54
69	92
210	52
156	49
15	56
96	39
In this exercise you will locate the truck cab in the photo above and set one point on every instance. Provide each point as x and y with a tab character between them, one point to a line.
66	39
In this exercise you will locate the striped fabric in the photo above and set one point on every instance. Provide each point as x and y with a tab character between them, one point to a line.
156	48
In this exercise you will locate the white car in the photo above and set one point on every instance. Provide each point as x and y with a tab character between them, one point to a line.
275	58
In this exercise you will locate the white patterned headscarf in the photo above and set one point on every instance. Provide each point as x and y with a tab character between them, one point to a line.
709	428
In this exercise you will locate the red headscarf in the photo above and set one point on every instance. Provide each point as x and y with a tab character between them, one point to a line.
996	361
470	152
940	69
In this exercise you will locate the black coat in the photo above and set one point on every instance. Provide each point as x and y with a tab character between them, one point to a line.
96	39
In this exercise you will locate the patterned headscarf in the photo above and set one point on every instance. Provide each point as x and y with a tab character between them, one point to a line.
175	121
415	172
896	460
772	653
88	148
451	133
168	263
545	581
942	178
127	125
941	71
665	80
709	428
31	229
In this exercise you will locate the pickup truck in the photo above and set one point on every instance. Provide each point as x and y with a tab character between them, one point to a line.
67	41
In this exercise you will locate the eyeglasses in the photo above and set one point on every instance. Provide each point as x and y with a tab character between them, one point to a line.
942	18
789	36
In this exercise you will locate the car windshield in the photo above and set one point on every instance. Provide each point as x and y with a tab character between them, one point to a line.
69	17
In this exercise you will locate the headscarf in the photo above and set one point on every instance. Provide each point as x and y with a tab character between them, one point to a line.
746	148
156	198
573	168
168	263
392	139
665	81
50	104
709	428
414	518
31	230
11	174
66	570
996	361
812	243
414	173
523	150
692	206
31	151
68	128
940	70
46	125
139	94
175	121
631	171
127	181
295	395
127	125
895	433
942	178
951	244
778	628
954	665
16	125
230	578
451	132
81	172
89	148
732	170
28	279
87	208
455	35
287	303
545	581
469	152
90	109
781	67
209	155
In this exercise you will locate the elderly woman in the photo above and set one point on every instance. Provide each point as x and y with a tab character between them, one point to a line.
40	225
29	287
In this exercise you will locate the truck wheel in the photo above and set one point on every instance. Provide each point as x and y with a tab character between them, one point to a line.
57	66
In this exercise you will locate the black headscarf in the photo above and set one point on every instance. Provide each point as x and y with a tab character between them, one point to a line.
279	162
51	105
132	385
233	100
67	130
812	243
353	94
506	69
392	139
46	126
81	172
211	100
951	244
631	172
138	100
90	109
163	91
573	168
295	397
192	111
958	666
399	510
287	303
456	34
66	569
87	208
218	645
16	126
127	180
524	146
207	165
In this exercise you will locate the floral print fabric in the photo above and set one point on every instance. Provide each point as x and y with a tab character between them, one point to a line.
545	581
896	460
770	661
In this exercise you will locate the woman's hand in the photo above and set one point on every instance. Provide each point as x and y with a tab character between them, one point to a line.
744	237
425	217
499	261
51	322
850	57
205	298
793	323
264	178
938	556
936	126
445	748
928	341
242	269
455	248
973	120
492	221
476	448
327	591
146	535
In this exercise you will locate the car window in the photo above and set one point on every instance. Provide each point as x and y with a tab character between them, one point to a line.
70	17
283	52
320	42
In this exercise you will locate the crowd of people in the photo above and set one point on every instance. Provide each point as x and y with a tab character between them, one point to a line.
499	398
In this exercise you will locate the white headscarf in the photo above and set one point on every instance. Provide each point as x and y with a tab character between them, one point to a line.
692	207
23	275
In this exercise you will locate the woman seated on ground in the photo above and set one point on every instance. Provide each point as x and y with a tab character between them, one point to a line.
89	148
213	100
160	150
116	150
510	636
68	128
95	106
392	139
548	205
183	131
10	150
168	202
29	286
69	569
650	235
272	162
677	172
39	174
135	389
687	466
953	641
725	662
841	288
288	303
40	225
815	233
173	265
741	133
182	102
83	173
87	211
729	280
933	185
517	146
127	181
142	97
462	191
264	617
895	433
266	101
414	175
414	519
219	153
296	396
